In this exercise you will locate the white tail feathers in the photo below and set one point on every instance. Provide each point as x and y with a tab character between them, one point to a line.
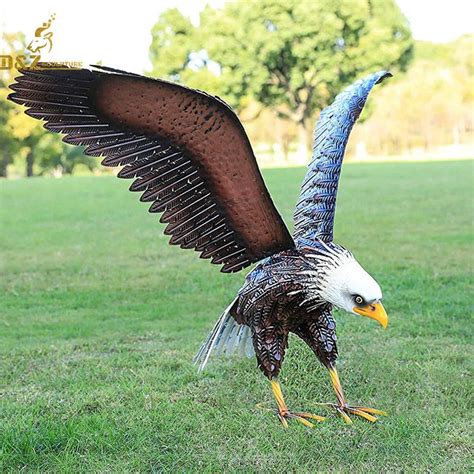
227	337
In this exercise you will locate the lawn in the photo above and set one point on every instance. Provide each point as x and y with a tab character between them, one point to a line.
101	318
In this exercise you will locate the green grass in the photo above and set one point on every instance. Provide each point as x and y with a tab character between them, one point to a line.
101	318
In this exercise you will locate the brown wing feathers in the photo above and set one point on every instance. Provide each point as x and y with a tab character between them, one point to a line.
186	151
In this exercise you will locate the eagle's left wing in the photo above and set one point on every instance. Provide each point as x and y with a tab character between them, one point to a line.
314	213
186	151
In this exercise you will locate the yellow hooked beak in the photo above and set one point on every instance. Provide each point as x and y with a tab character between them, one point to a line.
375	311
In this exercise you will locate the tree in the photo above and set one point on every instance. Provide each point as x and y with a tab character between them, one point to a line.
289	55
59	158
9	146
27	134
23	139
175	53
20	133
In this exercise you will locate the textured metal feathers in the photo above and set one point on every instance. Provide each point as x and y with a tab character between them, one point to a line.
185	150
278	297
314	213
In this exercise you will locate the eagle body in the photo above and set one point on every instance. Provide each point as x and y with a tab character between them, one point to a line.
190	159
281	296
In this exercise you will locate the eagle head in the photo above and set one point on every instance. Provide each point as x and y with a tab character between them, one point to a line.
345	284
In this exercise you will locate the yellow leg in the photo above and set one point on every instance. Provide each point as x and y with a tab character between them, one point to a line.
284	414
336	383
344	409
278	394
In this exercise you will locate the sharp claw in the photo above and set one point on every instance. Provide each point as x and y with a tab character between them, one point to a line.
363	414
283	420
310	415
305	422
301	417
345	416
284	414
372	410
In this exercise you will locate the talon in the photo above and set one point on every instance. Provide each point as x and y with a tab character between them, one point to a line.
284	414
300	417
304	422
311	416
283	420
374	411
344	409
363	414
345	416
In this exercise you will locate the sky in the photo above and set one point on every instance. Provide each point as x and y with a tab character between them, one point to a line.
118	33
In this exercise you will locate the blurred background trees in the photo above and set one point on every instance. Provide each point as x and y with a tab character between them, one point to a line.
278	63
289	56
25	147
429	106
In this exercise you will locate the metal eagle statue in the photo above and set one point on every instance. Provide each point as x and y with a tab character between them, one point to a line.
189	156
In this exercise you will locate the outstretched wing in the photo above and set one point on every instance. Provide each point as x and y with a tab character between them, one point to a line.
314	213
186	151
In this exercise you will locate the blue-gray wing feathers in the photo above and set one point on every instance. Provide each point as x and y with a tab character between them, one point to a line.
314	213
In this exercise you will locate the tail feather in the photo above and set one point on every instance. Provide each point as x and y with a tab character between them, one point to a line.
224	335
233	340
249	350
227	337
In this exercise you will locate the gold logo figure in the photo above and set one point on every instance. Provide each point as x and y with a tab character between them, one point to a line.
42	37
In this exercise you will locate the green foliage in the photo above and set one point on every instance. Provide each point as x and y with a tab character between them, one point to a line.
101	317
24	144
9	146
301	54
173	53
290	55
172	44
60	158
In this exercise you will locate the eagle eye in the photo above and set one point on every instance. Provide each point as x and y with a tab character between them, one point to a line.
358	300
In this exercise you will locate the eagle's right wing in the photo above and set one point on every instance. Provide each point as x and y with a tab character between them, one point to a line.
314	213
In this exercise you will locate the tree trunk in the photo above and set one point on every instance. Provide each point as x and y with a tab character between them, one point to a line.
29	163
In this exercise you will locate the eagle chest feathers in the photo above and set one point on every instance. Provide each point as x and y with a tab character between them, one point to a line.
282	295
